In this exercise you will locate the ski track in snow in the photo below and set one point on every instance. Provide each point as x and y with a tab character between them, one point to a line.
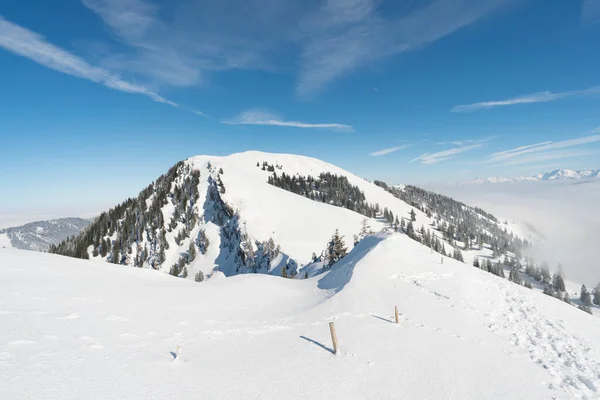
564	355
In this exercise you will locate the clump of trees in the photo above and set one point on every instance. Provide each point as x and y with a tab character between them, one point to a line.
133	232
327	188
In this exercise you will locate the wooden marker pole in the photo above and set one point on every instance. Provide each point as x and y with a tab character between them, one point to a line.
178	351
396	313
333	337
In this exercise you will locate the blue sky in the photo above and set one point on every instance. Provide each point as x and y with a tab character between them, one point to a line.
99	97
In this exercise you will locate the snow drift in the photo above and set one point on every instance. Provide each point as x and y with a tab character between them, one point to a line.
71	328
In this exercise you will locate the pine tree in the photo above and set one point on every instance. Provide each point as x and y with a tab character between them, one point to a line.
305	275
115	253
199	277
413	215
185	273
284	271
191	252
597	295
558	282
336	249
515	276
410	230
528	285
585	297
567	298
365	229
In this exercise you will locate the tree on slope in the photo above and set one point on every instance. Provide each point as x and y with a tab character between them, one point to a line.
515	276
336	249
558	282
191	252
413	215
597	295
585	297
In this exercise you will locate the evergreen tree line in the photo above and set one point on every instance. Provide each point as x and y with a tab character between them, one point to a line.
494	268
137	225
326	188
472	226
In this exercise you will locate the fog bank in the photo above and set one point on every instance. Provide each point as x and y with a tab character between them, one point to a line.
566	213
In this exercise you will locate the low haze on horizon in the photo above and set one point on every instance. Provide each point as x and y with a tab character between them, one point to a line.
106	95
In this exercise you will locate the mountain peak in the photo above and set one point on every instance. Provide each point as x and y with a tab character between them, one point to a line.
557	174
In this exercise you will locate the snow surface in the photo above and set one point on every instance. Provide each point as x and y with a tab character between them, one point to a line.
72	329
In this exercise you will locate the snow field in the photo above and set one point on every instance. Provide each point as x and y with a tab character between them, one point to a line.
73	328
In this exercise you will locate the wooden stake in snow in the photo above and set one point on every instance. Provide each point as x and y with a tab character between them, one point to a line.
441	262
333	337
178	353
396	313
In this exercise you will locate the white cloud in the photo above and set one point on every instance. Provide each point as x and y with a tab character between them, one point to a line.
590	11
520	152
464	142
254	117
26	43
333	37
388	150
434	158
543	156
541	97
200	113
344	35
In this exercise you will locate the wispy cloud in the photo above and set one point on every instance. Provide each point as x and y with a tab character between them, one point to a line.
590	11
333	37
200	113
344	35
254	117
388	150
541	97
26	43
543	156
434	158
464	142
544	147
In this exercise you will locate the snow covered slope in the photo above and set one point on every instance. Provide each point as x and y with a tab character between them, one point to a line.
212	213
72	329
40	235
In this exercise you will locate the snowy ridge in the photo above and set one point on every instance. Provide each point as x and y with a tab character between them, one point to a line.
213	213
463	333
559	174
40	235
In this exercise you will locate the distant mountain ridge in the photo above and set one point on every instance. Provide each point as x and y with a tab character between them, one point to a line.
39	235
557	174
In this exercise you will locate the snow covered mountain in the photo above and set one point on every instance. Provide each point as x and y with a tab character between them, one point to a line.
71	328
558	174
261	213
40	235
